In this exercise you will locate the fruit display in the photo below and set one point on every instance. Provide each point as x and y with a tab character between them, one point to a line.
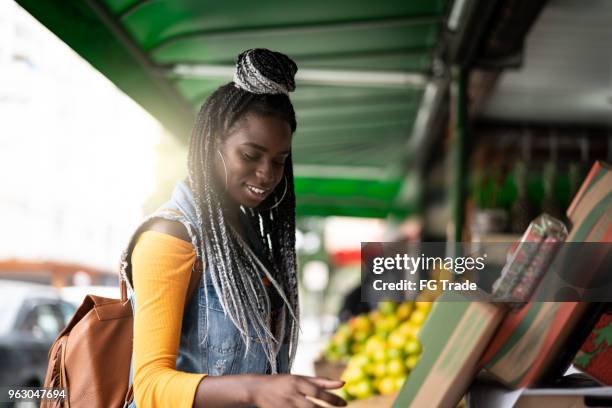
380	348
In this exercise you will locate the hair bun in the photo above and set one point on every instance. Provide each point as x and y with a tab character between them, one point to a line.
262	71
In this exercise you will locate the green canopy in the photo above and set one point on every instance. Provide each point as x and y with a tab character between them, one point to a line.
363	66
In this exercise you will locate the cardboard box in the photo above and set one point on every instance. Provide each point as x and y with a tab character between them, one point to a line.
578	400
592	197
590	214
540	339
528	339
580	271
591	209
325	368
483	395
595	355
378	401
453	338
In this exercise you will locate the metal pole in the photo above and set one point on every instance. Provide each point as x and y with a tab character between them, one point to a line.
460	138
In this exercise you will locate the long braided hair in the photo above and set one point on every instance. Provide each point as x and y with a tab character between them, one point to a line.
261	83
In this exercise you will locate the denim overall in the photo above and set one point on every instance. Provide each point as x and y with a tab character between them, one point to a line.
209	341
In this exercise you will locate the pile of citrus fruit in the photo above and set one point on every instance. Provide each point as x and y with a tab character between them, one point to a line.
380	348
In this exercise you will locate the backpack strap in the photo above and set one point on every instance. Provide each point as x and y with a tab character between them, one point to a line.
129	397
123	289
63	374
55	376
125	270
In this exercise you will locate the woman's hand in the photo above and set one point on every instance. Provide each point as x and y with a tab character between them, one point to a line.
265	391
290	391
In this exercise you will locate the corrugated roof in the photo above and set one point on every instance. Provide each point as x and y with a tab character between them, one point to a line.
363	67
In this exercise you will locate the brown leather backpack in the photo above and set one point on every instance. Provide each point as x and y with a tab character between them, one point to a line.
91	357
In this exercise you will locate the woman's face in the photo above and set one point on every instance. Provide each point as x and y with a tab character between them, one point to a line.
254	154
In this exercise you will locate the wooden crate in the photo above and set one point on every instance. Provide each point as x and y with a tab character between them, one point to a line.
378	401
324	368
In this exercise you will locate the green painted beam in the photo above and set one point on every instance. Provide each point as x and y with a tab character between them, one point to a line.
354	109
353	123
222	47
350	197
197	90
308	210
368	190
153	22
318	93
407	61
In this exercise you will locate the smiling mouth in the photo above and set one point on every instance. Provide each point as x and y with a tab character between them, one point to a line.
259	192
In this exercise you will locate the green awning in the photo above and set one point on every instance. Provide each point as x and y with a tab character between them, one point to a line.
363	67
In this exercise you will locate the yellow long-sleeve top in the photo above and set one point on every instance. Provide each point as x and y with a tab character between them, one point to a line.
161	269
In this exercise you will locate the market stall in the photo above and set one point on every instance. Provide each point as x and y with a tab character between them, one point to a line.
473	347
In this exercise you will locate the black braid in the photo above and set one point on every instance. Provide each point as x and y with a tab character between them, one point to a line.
235	272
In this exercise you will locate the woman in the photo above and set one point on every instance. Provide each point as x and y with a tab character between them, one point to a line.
209	341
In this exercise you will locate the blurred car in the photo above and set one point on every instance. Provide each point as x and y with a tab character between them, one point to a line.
31	317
